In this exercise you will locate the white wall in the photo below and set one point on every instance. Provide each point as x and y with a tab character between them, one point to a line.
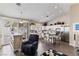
74	11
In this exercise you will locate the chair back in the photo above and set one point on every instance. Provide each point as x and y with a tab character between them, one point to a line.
33	37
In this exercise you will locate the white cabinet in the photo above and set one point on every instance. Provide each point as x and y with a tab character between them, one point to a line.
77	40
1	37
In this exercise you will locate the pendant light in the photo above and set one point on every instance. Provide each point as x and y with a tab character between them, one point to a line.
20	9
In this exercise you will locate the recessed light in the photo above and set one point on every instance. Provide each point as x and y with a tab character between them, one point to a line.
55	7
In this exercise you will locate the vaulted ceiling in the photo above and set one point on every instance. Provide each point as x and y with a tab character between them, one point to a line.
41	12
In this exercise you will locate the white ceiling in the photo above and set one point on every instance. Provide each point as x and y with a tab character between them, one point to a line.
41	12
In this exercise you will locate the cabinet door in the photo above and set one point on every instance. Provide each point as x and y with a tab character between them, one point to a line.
77	40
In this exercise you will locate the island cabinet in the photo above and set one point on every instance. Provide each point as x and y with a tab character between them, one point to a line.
17	42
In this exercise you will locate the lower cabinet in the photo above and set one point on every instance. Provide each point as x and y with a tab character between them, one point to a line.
17	42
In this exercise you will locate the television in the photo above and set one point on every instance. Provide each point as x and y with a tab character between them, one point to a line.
76	27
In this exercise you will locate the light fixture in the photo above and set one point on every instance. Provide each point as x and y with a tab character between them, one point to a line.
47	16
23	21
45	24
18	4
55	7
20	11
32	24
